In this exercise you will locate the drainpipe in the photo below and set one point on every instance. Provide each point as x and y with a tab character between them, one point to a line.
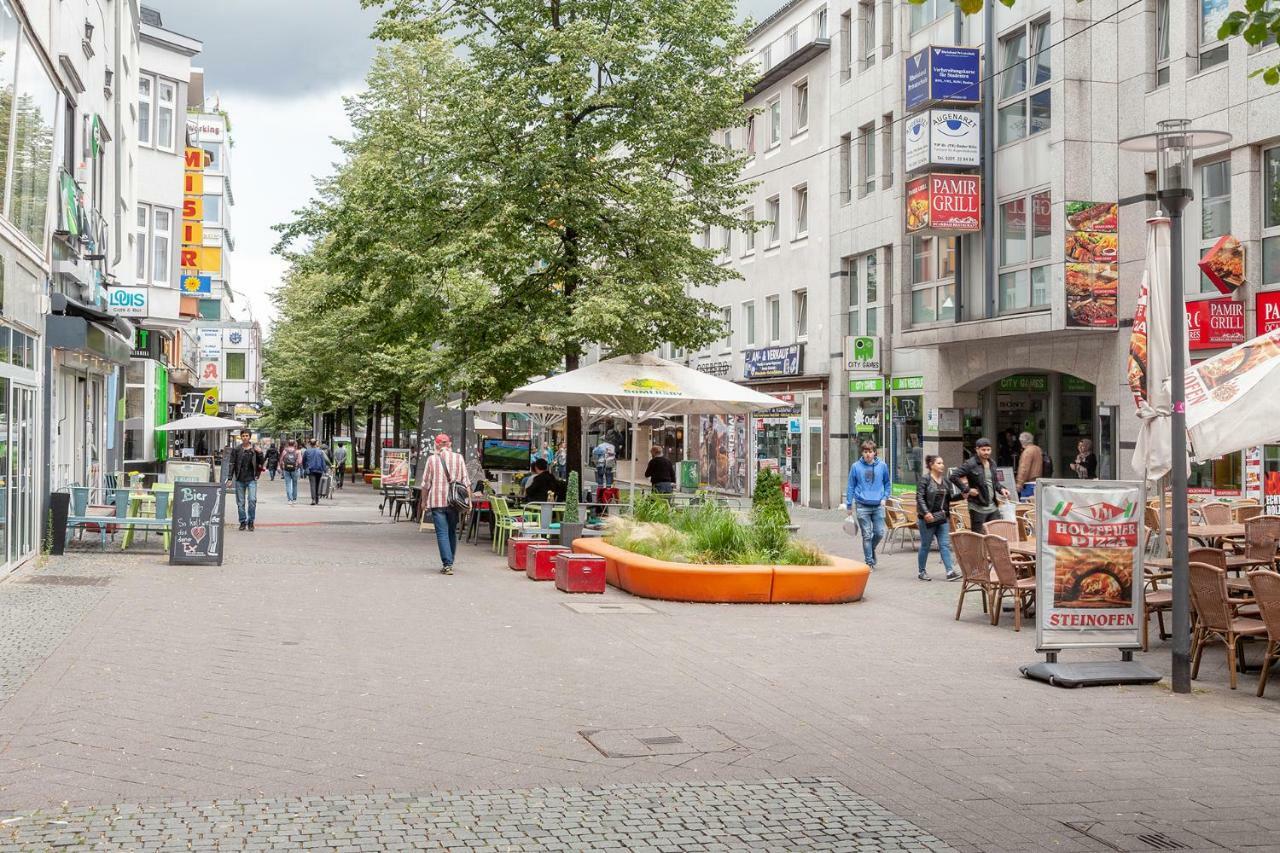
988	163
957	38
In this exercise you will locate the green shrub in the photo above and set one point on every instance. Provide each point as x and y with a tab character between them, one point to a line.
802	554
770	537
708	533
767	501
653	508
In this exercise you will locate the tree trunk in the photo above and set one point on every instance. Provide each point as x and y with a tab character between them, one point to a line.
395	419
422	426
351	422
368	439
377	436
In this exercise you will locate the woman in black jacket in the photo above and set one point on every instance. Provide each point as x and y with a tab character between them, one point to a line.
933	505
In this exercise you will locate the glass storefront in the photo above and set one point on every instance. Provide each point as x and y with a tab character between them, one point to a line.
778	446
908	441
1271	479
1222	477
17	470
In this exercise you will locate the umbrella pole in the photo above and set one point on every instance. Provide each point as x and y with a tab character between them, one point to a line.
635	418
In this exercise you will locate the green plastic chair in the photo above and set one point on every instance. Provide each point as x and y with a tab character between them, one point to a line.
506	522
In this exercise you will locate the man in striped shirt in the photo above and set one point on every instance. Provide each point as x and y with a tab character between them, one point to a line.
441	468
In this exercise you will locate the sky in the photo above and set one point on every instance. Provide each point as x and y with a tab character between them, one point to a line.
281	69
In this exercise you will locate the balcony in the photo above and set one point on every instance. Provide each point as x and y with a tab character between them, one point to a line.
791	50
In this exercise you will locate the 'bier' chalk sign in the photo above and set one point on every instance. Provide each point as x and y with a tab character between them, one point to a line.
197	535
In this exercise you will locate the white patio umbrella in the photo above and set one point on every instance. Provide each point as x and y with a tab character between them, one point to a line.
1232	399
199	422
482	425
638	387
541	418
1150	357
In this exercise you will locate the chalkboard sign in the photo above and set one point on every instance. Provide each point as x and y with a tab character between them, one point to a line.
198	512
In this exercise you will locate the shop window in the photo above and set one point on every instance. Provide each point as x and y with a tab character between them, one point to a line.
933	280
774	111
1215	210
774	308
1162	42
1024	253
1025	100
1213	51
235	369
1271	216
908	440
866	422
801	206
1222	476
773	212
800	311
800	107
749	323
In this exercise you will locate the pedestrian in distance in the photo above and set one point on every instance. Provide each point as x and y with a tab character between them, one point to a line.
562	461
1086	465
340	463
866	493
933	510
246	465
315	463
977	479
605	457
442	469
1030	465
291	470
273	460
660	471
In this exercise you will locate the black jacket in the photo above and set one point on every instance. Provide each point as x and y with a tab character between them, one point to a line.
273	456
245	464
972	470
660	470
541	484
933	498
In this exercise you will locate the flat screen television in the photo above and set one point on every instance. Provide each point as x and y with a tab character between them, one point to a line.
505	454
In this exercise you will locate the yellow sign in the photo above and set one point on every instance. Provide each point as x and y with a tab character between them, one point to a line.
193	183
197	159
202	258
657	387
211	402
192	232
193	207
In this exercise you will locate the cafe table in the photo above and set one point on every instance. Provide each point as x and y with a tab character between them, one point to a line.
142	504
1214	533
546	511
1026	549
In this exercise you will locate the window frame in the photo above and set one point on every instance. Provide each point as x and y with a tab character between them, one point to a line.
799	99
749	233
751	137
773	207
1030	263
887	151
865	295
866	159
1207	288
1030	90
800	314
161	83
1270	234
800	211
1160	31
244	365
941	277
846	46
749	323
773	317
867	45
147	141
773	109
1211	51
142	243
926	13
156	236
845	168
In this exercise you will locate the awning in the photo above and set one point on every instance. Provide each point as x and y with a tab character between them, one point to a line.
60	303
77	334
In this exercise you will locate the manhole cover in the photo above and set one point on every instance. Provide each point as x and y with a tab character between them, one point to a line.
1140	836
608	607
644	742
67	580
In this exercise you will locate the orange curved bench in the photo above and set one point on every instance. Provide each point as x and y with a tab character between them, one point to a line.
841	581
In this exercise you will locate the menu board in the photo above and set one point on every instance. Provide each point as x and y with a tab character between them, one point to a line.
395	466
197	535
1093	274
1089	565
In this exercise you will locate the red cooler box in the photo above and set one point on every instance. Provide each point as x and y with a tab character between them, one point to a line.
579	573
539	561
516	548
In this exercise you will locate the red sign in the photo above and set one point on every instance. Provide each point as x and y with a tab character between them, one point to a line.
1268	312
1214	324
944	202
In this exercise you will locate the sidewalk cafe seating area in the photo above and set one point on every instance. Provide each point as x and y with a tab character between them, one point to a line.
127	510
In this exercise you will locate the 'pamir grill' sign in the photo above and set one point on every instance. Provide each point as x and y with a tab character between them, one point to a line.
944	202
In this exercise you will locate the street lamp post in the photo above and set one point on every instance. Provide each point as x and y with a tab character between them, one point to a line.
1173	144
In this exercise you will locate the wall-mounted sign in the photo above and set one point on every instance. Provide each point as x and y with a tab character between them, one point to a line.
127	301
1030	382
861	354
1268	306
772	362
1223	264
211	402
193	207
943	74
1214	324
205	129
192	232
147	344
210	344
906	383
942	138
235	338
715	368
196	285
1092	276
871	385
193	183
210	373
944	202
206	259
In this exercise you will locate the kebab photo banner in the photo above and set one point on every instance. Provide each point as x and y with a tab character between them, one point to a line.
1231	399
1092	275
1089	564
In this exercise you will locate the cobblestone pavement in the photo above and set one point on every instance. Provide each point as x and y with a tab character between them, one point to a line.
327	663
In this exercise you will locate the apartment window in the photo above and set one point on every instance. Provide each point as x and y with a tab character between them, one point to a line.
886	167
235	368
925	13
728	139
793	40
213	154
802	211
800	97
36	106
1025	237
1162	42
867	17
846	168
166	102
820	23
726	317
864	294
749	323
161	244
846	46
1213	51
933	280
774	110
800	313
1025	99
749	234
146	87
751	136
705	240
1271	216
773	210
141	242
213	210
867	158
774	308
210	309
726	240
1215	210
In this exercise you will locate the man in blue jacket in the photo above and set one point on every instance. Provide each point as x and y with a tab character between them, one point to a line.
866	493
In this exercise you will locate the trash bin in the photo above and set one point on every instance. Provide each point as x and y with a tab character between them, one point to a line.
689	475
59	509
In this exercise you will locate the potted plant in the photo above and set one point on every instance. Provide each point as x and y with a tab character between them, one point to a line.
571	524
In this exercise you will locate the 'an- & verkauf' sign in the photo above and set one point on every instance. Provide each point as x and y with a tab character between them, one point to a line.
943	74
771	362
944	202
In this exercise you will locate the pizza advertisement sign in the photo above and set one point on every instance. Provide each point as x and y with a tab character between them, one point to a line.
1093	274
1089	564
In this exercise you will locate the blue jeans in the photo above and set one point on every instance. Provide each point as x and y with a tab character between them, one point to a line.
445	520
272	473
291	483
247	500
604	476
929	532
664	488
871	523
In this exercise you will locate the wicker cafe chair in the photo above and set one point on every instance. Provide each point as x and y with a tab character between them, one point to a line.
1002	527
959	518
1215	513
1151	521
1216	618
970	551
1261	539
1245	512
900	522
1266	589
1022	590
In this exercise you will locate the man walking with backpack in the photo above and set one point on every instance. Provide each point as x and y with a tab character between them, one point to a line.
315	463
444	470
246	463
290	470
340	463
